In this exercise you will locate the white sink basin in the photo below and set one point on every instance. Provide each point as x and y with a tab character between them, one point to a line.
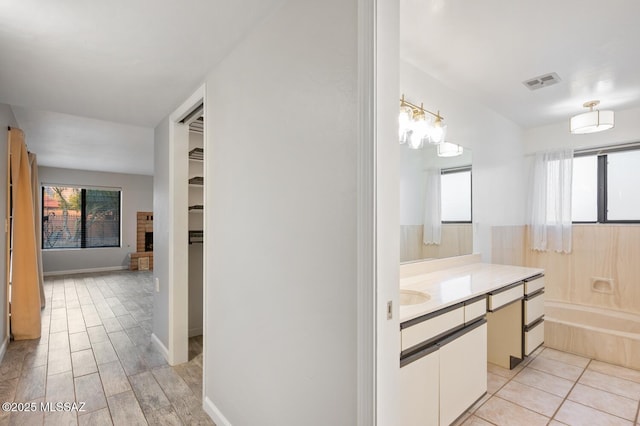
412	297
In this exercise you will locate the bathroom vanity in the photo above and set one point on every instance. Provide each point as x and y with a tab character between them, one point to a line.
455	315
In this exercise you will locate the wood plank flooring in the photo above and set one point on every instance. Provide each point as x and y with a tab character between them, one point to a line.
96	348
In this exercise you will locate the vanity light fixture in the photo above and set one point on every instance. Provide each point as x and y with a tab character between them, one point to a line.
448	149
416	127
592	121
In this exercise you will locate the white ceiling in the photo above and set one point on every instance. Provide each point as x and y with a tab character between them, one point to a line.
125	63
487	48
89	80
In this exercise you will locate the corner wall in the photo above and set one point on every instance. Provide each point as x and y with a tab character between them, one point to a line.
281	216
499	178
6	119
137	195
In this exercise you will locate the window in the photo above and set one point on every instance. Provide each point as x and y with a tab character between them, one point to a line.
605	187
455	190
74	217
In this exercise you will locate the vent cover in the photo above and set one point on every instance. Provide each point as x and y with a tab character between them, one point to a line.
542	81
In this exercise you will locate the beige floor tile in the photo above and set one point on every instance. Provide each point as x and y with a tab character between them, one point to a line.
114	379
11	366
502	412
104	352
565	357
60	388
604	401
127	321
557	368
83	363
59	361
495	382
79	341
576	414
611	384
544	381
31	384
475	421
27	418
37	357
504	372
97	334
96	418
8	389
60	418
531	398
615	370
89	390
163	417
148	392
125	410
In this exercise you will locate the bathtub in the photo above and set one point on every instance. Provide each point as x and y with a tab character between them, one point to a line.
597	333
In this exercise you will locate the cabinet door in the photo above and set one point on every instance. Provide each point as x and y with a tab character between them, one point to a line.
419	383
463	371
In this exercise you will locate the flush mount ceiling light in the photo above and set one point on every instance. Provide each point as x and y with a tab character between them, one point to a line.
448	149
592	121
415	127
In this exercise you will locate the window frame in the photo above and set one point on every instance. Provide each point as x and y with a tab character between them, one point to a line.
83	216
602	184
461	169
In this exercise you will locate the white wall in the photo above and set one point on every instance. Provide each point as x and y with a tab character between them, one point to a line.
499	178
280	331
162	156
6	119
137	195
627	129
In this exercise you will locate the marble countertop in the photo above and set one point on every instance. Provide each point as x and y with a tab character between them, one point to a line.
449	286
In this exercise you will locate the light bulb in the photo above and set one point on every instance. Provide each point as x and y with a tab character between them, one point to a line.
404	123
437	132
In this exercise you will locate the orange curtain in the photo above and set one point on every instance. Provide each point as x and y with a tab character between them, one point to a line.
25	281
35	192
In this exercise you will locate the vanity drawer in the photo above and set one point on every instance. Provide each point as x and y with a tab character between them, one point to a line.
474	309
531	285
533	337
505	295
432	326
533	307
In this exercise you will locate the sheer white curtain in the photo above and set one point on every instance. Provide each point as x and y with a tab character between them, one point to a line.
550	201
432	228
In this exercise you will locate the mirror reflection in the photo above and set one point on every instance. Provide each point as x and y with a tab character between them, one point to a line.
435	204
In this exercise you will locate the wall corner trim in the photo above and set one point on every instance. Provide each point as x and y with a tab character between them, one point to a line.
215	414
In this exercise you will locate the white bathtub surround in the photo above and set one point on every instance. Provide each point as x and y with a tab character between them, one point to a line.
597	333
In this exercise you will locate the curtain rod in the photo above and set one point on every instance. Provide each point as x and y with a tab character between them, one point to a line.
599	149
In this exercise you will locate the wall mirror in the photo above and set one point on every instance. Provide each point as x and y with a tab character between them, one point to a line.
435	204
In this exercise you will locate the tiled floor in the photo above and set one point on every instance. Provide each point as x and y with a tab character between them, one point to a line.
557	388
96	348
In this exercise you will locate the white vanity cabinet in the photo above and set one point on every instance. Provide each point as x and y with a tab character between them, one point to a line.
463	371
420	388
443	364
533	314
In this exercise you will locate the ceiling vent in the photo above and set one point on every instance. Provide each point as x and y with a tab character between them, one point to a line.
542	81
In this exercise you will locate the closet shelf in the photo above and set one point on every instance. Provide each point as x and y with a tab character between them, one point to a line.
197	180
196	154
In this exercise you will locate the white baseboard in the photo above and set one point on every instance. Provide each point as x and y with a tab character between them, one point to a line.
195	332
163	349
215	414
3	347
84	271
